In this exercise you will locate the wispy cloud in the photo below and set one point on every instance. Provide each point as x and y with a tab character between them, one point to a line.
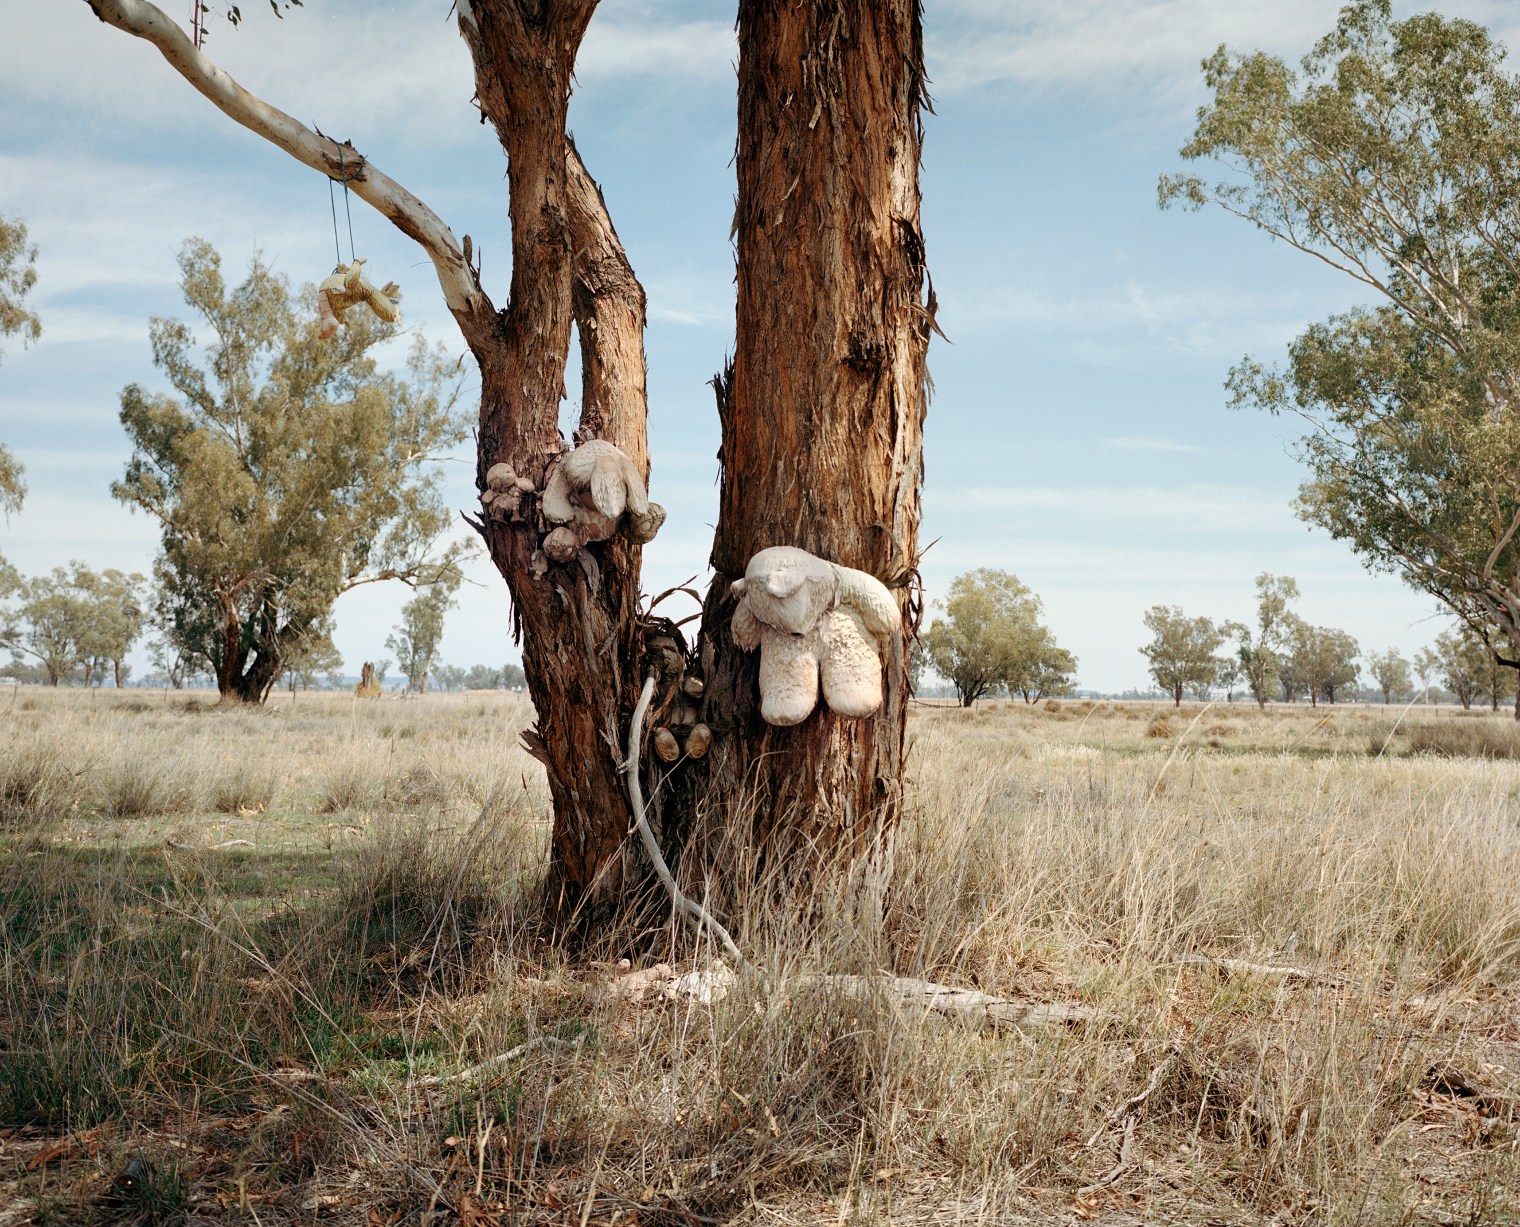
1129	323
635	46
1146	48
1141	443
1154	45
1193	508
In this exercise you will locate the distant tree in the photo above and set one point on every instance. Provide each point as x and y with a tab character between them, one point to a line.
12	483
287	471
1393	157
310	660
1392	674
482	677
1427	665
172	662
116	604
991	638
512	677
415	642
49	622
1044	668
1322	660
1498	682
1259	651
1231	669
450	677
1462	661
18	274
918	660
1181	650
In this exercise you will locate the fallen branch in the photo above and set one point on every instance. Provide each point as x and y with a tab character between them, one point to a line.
1242	968
1129	1113
231	843
491	1063
1131	1106
960	1002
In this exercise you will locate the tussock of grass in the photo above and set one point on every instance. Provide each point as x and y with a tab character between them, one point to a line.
1488	737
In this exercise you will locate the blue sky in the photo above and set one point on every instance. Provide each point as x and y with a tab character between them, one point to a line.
1078	434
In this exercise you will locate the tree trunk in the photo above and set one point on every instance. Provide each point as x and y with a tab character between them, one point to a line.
578	622
822	412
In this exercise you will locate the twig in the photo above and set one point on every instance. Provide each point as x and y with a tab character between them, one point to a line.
1126	1160
496	1062
682	901
1129	1113
1130	1108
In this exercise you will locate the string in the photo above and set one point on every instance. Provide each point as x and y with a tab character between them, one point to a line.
346	212
333	202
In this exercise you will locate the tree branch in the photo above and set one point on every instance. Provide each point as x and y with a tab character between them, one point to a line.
407	213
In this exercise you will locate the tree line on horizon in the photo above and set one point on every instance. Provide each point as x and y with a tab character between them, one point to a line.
991	641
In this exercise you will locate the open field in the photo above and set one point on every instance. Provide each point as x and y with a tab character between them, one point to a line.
256	961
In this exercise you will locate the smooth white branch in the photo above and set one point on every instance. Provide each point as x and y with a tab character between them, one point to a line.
409	214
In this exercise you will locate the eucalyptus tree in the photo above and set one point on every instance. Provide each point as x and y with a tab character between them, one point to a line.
74	621
1322	659
284	471
116	602
1460	659
991	640
1393	155
18	274
1391	673
1262	651
1182	650
415	642
821	412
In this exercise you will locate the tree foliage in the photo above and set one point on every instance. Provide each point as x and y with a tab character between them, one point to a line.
18	274
415	642
1391	674
284	471
1259	650
1182	650
74	622
1393	156
991	639
1321	661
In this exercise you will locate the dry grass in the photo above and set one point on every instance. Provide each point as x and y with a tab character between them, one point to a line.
235	946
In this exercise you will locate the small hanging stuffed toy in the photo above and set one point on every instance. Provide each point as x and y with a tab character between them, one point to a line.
347	288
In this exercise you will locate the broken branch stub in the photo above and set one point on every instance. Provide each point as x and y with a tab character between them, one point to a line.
812	618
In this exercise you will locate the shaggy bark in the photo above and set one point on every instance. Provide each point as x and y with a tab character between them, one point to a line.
822	411
578	621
